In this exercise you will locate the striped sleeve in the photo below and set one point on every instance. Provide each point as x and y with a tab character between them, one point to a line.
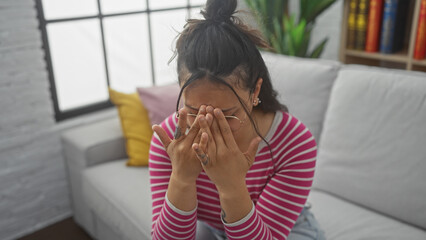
283	198
168	222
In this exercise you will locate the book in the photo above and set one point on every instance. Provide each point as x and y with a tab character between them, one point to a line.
393	25
353	5
361	24
374	25
420	47
388	26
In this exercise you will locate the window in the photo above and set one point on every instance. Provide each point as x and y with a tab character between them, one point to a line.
93	44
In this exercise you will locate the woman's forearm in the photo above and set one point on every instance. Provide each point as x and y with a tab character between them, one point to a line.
183	195
235	203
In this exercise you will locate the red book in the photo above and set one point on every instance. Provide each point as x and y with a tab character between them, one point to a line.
374	26
420	47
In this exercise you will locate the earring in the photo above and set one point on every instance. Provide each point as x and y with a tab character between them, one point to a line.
257	101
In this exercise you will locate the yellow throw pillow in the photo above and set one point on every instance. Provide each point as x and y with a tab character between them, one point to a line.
135	124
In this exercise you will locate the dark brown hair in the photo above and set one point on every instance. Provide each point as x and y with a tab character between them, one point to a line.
221	46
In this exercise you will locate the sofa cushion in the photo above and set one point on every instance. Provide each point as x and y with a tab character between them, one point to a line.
135	124
121	197
160	101
303	85
341	219
373	144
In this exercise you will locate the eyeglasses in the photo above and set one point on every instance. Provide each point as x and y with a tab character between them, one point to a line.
234	122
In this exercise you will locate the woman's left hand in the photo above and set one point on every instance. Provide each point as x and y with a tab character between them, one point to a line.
223	161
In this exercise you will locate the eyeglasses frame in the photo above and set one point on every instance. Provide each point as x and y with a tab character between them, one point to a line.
228	117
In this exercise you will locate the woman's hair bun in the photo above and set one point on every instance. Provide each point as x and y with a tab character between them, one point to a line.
219	10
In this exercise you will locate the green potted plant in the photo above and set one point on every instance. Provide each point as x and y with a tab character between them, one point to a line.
285	34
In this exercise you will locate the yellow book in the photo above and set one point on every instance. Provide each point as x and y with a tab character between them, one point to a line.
353	7
361	24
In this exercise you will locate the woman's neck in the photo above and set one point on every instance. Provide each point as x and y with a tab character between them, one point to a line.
263	122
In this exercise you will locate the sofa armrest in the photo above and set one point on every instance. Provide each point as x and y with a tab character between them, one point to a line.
86	146
94	143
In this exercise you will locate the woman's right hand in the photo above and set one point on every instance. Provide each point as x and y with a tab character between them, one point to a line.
185	165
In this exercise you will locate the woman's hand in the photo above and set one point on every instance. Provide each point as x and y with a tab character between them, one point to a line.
185	165
222	159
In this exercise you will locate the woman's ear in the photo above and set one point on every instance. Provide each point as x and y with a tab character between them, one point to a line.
257	88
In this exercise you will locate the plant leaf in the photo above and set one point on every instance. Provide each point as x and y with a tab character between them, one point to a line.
305	44
285	34
298	33
276	45
318	49
310	10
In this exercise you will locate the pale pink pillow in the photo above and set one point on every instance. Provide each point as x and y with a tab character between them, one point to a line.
160	101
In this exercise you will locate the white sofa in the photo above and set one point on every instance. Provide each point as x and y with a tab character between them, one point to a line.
370	181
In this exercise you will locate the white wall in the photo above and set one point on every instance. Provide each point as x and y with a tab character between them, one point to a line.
33	182
328	25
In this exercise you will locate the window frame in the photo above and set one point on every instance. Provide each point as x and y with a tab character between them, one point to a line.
63	115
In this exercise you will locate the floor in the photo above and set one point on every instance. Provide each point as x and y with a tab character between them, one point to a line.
65	230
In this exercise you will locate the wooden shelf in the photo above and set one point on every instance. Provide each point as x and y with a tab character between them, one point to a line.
420	62
401	56
401	60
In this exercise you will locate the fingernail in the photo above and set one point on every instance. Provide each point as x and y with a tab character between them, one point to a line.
208	116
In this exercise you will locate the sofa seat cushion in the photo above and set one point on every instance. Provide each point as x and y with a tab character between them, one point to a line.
341	219
120	196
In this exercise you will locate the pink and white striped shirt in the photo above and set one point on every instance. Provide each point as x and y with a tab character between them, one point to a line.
278	186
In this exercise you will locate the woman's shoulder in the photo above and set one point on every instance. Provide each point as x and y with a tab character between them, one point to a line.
290	126
293	141
291	119
169	124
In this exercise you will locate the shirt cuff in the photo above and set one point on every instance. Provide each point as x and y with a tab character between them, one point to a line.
241	221
177	210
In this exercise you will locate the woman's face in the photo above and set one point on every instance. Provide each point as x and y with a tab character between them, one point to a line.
204	92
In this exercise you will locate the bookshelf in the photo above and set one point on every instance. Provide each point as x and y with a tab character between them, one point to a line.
402	59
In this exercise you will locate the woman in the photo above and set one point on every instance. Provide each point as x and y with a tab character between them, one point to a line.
232	163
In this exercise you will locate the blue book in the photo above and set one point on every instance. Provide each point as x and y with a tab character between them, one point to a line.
388	26
393	25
